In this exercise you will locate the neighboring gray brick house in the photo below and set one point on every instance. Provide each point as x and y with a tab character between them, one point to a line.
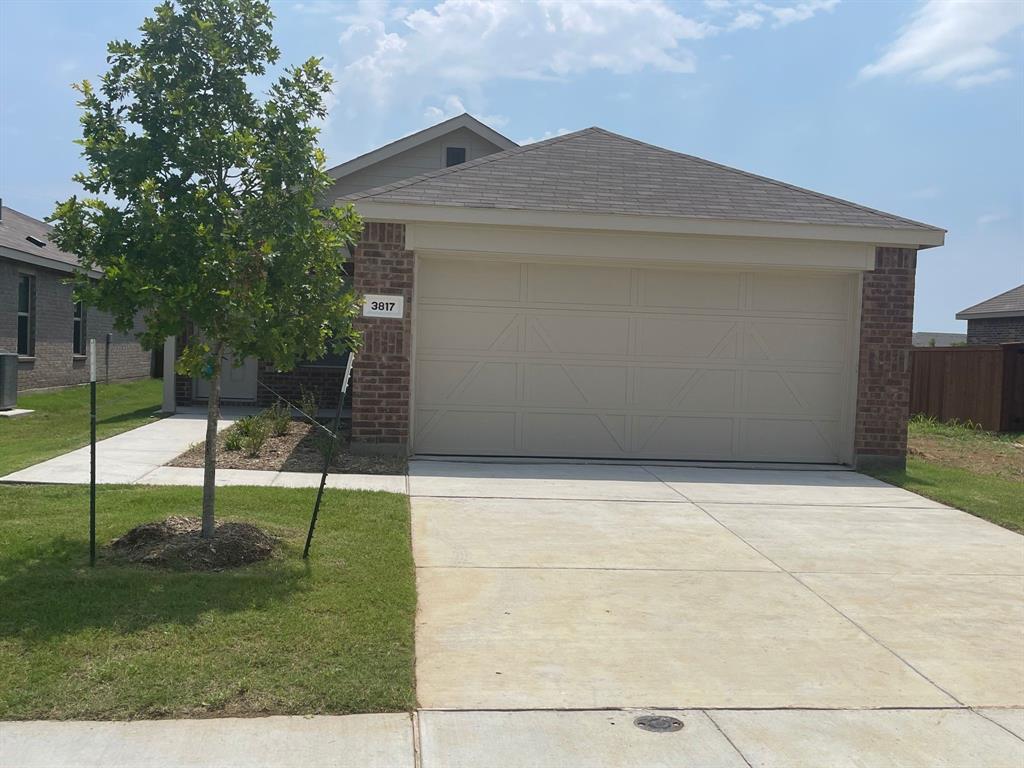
40	320
592	296
999	320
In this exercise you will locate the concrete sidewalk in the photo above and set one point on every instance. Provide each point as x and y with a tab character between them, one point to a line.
137	457
937	738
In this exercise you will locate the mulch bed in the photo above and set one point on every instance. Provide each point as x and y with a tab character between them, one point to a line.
176	543
300	450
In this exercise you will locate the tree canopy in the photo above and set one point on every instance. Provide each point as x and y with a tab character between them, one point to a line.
205	210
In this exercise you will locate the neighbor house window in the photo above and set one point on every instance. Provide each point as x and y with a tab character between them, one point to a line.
454	156
26	315
78	330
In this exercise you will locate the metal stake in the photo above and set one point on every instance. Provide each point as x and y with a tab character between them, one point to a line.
330	455
92	452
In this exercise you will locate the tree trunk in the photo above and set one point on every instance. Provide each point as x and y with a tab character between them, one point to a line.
210	466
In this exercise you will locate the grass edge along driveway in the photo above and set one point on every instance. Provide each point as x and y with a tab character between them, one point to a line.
955	478
60	422
333	635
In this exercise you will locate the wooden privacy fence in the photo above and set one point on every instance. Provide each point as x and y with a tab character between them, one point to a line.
982	384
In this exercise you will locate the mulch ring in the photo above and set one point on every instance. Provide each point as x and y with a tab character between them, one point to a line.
176	543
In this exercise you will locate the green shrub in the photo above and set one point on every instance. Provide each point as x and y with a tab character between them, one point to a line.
278	417
247	424
233	440
256	435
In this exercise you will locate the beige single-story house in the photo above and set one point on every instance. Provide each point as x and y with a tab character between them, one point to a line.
593	296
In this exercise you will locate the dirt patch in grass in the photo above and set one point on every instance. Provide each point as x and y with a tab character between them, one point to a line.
300	449
999	458
962	446
176	543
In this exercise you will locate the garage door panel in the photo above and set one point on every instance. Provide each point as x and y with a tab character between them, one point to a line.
574	434
792	392
468	431
793	293
683	437
685	289
787	440
687	390
603	361
467	330
564	284
473	383
797	342
578	334
687	337
592	386
476	280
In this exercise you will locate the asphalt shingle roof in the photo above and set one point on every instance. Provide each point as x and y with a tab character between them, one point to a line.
596	171
15	227
1010	302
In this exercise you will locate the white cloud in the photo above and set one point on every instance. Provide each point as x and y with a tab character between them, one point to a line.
747	20
546	135
789	14
991	218
423	56
983	78
952	42
458	45
452	106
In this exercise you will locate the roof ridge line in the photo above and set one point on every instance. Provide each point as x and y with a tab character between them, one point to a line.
494	157
776	182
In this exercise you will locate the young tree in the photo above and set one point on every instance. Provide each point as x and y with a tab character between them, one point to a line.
205	215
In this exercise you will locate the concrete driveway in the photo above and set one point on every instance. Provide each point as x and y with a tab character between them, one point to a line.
598	587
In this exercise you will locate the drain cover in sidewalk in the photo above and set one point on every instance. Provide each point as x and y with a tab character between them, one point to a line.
658	723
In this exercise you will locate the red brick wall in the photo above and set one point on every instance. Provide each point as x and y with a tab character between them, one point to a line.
380	375
883	387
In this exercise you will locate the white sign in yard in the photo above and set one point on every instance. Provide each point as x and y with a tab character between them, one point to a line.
375	305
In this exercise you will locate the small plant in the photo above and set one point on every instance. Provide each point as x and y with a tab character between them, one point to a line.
247	424
233	440
308	404
278	417
256	435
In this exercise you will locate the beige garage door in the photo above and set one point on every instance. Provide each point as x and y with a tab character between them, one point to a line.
547	359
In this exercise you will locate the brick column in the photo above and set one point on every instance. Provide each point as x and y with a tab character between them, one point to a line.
883	386
380	375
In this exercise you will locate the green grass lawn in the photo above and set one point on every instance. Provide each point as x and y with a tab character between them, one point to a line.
61	420
331	635
992	498
970	469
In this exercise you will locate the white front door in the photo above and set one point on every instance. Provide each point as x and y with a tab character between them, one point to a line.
238	382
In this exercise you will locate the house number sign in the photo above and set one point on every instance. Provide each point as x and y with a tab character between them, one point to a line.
375	305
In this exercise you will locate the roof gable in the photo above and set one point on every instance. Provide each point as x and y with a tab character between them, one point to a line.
1008	304
598	172
464	120
17	227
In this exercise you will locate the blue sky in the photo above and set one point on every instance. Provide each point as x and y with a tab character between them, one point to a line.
915	108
